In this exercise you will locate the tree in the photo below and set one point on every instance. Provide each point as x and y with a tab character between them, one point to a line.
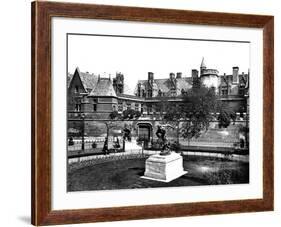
130	114
115	116
225	114
110	124
196	111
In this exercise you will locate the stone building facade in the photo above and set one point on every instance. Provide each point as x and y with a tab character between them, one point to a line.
96	97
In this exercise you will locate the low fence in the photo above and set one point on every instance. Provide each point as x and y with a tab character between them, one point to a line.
99	142
85	160
88	160
88	143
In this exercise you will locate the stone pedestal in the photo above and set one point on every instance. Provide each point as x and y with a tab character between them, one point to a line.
164	168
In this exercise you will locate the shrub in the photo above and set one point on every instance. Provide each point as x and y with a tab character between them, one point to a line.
114	115
224	119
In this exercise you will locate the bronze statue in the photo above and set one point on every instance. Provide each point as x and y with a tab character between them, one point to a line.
165	145
127	134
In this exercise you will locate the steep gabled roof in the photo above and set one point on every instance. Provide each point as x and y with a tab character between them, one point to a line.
184	83
227	79
89	80
165	85
103	88
224	80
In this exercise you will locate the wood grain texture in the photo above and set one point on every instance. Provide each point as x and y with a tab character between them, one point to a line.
42	12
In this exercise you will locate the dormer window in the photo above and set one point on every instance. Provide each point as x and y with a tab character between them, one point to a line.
224	91
242	89
76	89
173	92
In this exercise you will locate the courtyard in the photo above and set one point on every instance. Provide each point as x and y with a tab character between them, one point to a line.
126	174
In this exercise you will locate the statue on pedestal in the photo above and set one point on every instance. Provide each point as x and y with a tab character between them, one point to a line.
162	140
127	134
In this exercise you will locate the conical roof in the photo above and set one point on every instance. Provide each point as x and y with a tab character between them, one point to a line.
203	65
103	87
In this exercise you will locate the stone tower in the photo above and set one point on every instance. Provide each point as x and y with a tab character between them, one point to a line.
118	83
209	77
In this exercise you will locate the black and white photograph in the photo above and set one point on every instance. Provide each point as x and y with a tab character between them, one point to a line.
151	112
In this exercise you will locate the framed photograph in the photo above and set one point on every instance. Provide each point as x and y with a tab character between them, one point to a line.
142	113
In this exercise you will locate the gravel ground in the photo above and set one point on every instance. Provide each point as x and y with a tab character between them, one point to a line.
124	174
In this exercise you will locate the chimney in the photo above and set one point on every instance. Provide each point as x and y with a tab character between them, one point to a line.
194	73
235	74
150	76
172	76
195	78
179	74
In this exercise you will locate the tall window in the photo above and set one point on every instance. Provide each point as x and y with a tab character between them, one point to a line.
149	109
242	90
95	107
224	91
136	107
120	107
78	107
124	106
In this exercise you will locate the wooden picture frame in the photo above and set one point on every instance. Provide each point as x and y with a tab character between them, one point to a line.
42	12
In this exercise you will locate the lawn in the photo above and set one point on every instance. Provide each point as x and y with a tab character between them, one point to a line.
124	174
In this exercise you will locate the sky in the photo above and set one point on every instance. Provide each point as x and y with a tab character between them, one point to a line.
135	57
